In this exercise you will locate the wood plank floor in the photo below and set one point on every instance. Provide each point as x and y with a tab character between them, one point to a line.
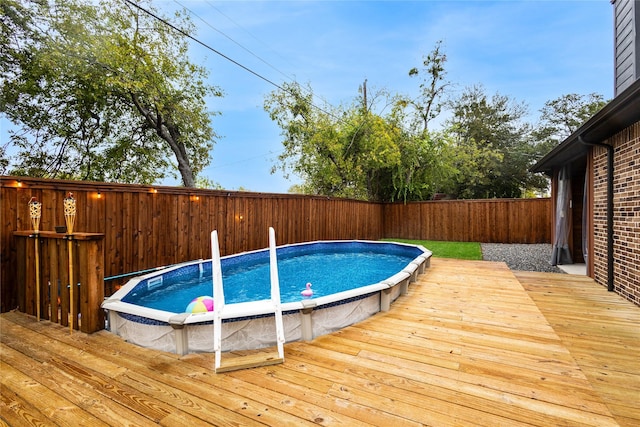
471	344
602	332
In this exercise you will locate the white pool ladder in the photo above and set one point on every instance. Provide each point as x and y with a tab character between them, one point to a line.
252	308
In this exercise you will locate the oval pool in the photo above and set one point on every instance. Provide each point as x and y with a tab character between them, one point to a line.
352	280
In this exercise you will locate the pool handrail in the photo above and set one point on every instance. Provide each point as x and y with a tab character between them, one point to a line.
218	296
275	292
222	310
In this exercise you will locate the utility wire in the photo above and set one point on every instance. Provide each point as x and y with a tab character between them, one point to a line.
230	38
206	46
288	77
189	36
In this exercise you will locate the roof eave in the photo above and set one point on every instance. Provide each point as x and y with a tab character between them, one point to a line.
620	113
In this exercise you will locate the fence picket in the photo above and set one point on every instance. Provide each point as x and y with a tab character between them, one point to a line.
146	227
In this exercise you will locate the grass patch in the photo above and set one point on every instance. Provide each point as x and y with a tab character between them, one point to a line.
457	250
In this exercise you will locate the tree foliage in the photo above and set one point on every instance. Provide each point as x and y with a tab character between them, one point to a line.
355	151
494	150
336	150
484	149
103	92
427	104
562	116
352	151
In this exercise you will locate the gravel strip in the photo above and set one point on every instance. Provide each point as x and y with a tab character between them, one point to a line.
521	257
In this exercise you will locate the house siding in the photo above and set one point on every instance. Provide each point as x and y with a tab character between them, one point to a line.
626	213
626	43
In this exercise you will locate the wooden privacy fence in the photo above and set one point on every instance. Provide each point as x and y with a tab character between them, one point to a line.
146	227
486	221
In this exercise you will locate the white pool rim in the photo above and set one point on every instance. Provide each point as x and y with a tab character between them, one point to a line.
388	290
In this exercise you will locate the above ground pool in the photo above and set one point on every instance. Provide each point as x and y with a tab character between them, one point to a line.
350	281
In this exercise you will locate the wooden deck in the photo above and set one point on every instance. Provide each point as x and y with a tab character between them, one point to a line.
601	330
471	344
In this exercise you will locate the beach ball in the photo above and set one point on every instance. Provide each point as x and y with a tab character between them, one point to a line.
200	305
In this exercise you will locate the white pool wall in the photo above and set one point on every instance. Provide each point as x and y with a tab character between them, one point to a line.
188	333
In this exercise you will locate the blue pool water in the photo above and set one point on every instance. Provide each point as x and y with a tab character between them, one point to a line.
331	268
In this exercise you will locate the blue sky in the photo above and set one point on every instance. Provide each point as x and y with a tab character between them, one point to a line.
532	51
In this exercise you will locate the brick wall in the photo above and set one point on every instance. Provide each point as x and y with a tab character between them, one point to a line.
626	213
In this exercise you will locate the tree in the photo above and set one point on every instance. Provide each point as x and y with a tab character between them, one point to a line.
432	87
424	162
336	151
354	151
493	146
103	93
425	165
562	116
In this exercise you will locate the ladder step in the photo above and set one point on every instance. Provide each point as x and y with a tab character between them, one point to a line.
233	362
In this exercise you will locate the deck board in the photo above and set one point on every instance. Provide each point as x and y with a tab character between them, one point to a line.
472	343
602	332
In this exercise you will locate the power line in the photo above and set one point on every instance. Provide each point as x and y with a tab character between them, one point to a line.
233	40
249	70
189	36
288	77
